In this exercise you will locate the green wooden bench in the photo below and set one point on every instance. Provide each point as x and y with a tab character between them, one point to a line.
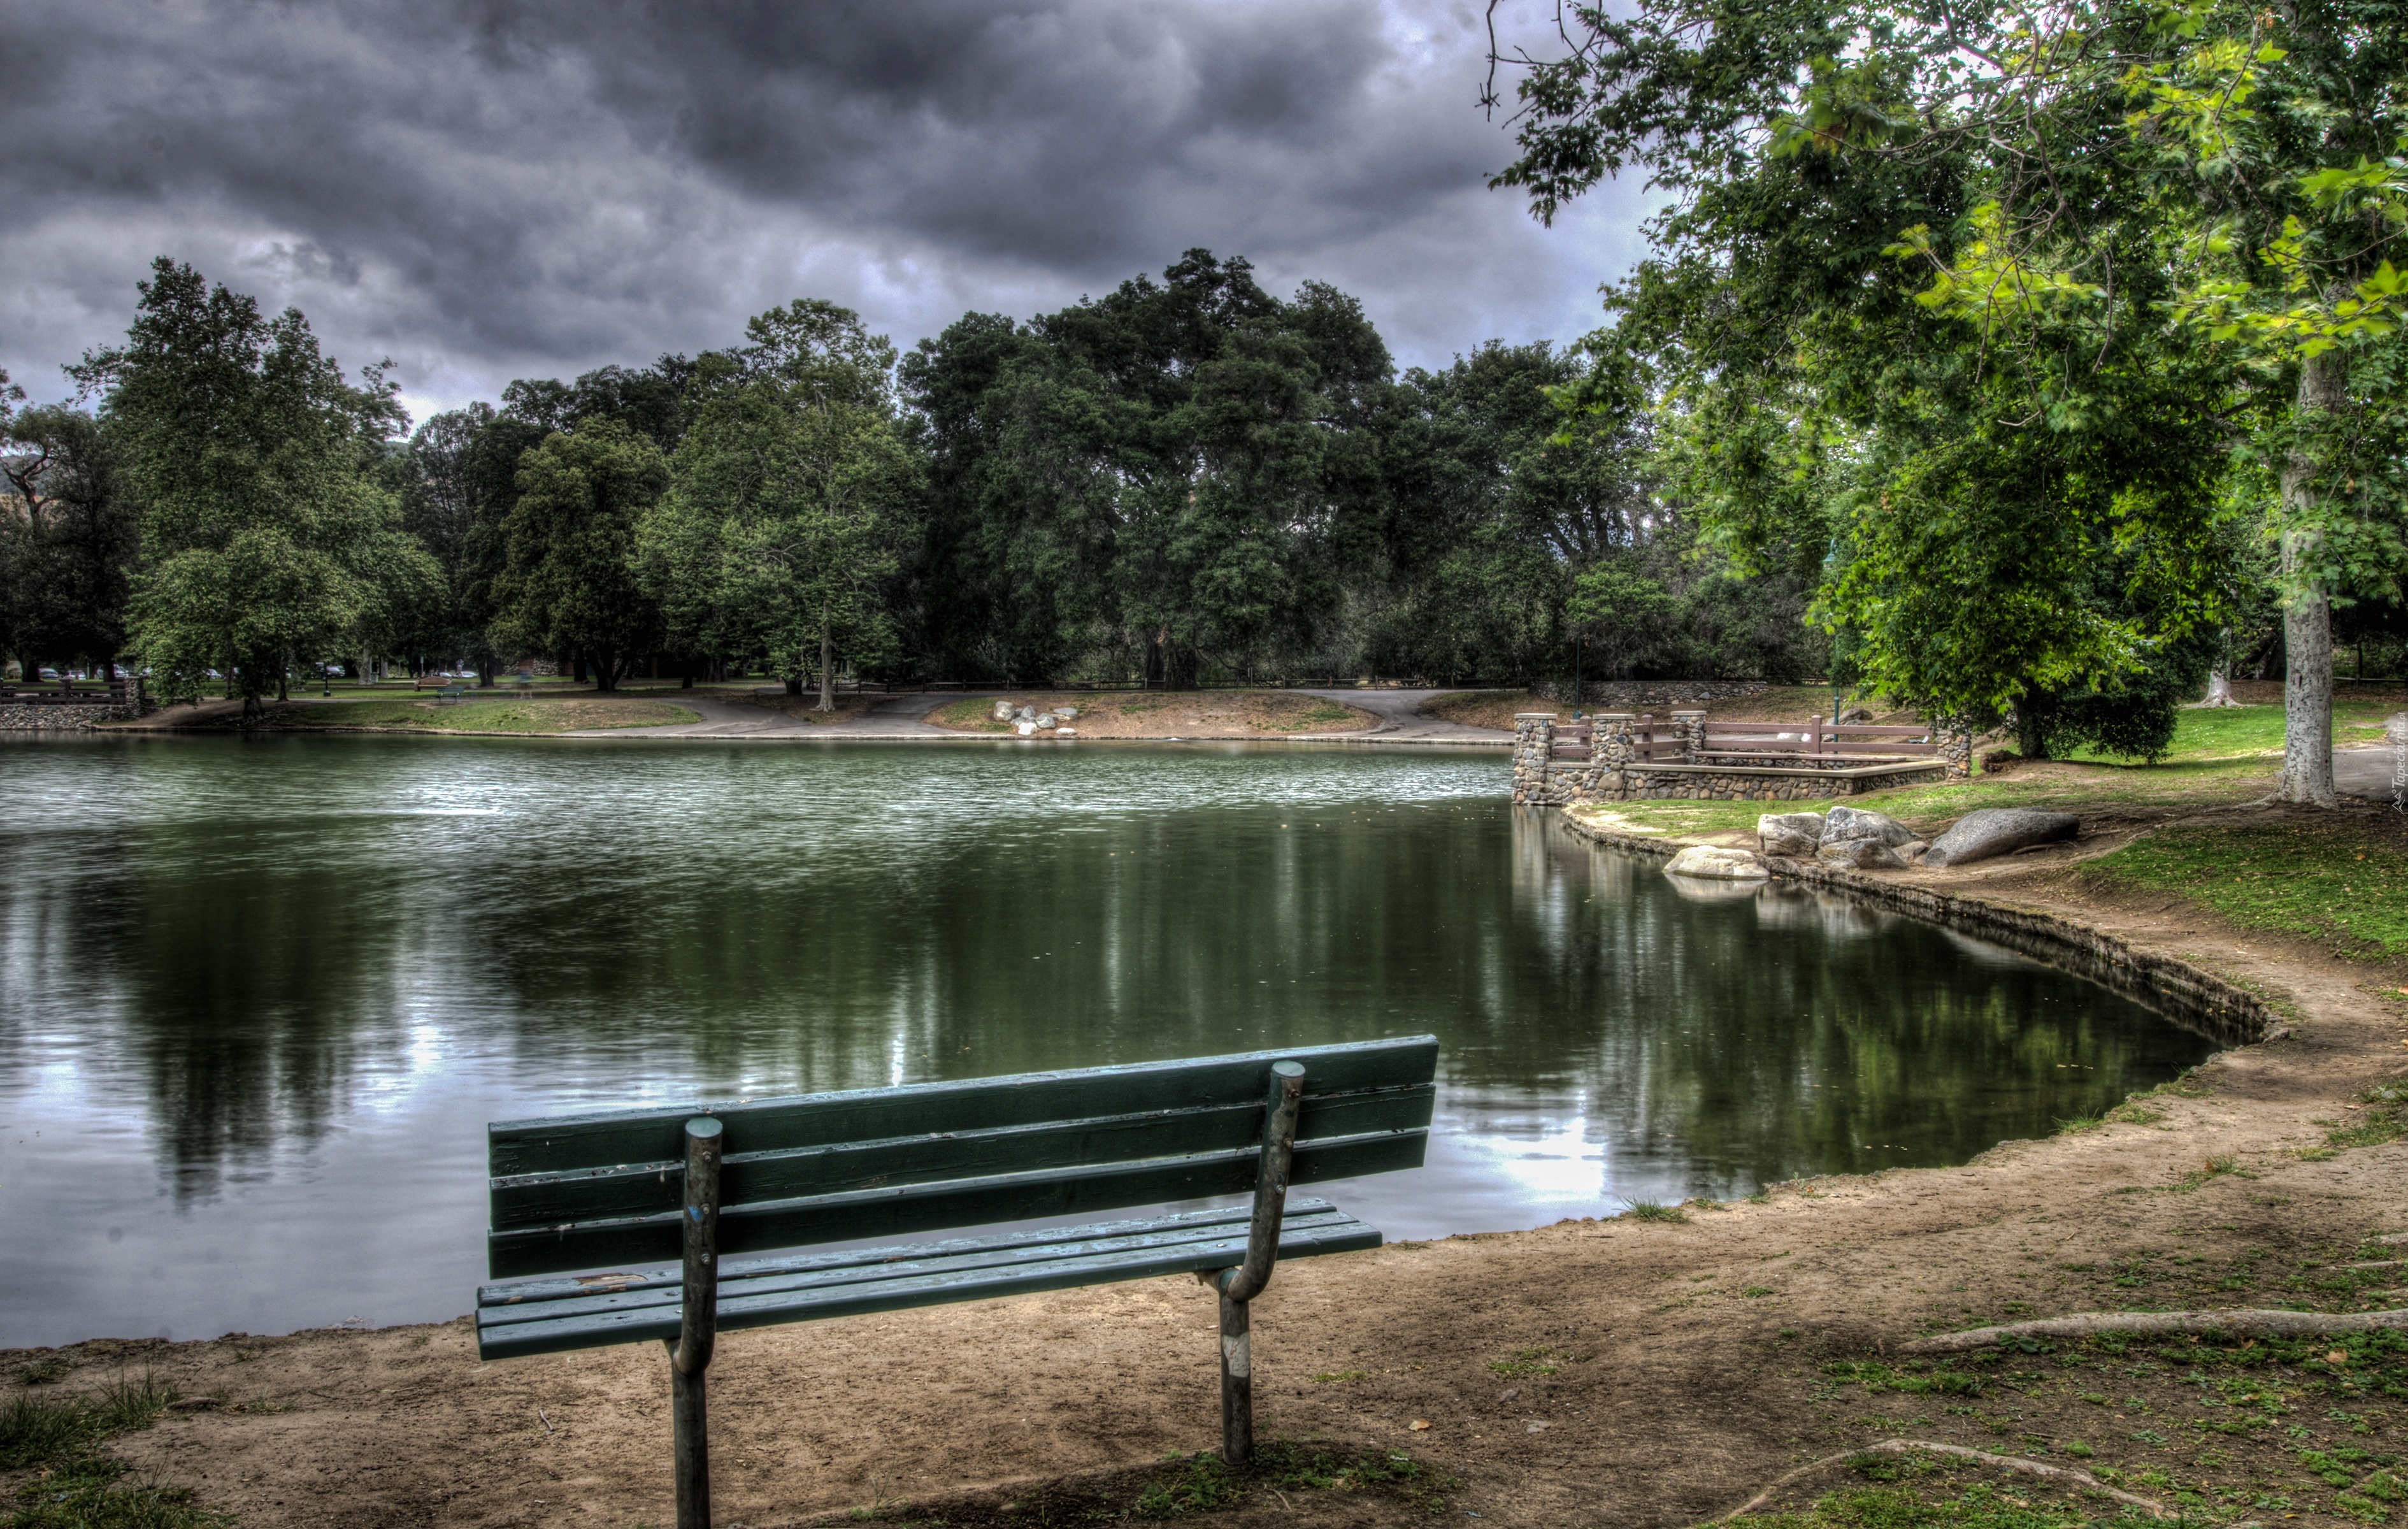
635	1189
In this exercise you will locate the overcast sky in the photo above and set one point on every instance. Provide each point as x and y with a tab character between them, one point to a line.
489	189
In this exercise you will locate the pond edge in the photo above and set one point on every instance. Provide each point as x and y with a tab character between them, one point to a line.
2186	993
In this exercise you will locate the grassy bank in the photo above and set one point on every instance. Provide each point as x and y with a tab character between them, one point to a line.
573	713
2183	828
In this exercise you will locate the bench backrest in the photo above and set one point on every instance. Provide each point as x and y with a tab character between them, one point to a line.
584	1191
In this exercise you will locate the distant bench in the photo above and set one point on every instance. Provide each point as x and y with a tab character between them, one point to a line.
585	1192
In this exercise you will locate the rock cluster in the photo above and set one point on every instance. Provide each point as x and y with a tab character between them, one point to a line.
1849	835
1028	721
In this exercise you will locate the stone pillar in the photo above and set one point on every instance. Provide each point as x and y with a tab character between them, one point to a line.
1692	727
1609	749
1955	741
1534	747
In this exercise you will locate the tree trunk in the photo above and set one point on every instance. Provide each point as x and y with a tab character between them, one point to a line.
2031	733
827	668
2307	609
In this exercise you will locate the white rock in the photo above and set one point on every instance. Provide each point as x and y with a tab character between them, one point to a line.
1065	713
1026	713
1790	833
1863	854
1025	729
1709	863
1065	731
1855	823
1045	719
1003	711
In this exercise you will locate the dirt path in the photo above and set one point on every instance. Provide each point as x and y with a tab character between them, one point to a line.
1615	1372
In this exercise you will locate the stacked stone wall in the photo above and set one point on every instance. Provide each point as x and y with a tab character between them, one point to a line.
67	717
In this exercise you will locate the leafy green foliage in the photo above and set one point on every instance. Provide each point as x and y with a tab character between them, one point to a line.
250	460
65	561
791	495
568	583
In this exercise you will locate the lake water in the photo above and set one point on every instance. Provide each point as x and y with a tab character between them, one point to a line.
259	998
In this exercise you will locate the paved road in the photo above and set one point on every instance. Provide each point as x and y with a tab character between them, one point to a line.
1401	722
2363	772
904	716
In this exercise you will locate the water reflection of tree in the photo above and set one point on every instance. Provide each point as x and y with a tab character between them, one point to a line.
1759	1035
642	924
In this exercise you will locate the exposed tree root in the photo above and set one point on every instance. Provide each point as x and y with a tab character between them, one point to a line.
2243	1323
1901	1446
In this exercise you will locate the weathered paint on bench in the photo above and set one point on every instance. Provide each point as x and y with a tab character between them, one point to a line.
696	1182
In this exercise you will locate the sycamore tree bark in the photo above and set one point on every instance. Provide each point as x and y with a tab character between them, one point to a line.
2307	611
827	667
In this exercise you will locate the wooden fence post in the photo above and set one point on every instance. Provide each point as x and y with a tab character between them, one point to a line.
698	1325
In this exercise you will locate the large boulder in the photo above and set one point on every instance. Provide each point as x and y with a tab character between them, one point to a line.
2000	831
1790	833
1709	863
1855	823
1861	855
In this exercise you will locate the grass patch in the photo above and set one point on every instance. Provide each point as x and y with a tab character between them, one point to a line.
94	1492
79	1487
566	714
2234	732
2339	878
1202	1484
1981	1506
1525	1364
1655	1210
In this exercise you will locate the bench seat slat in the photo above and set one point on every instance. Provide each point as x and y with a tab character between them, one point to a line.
554	1287
900	1211
893	1263
654	1135
549	1199
1084	1260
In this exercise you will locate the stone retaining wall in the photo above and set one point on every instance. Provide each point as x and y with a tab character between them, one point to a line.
1612	774
67	717
2184	993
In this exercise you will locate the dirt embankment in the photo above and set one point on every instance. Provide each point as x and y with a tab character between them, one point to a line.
1165	714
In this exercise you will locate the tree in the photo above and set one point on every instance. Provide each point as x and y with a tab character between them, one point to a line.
67	553
791	496
1170	476
567	583
247	457
1969	480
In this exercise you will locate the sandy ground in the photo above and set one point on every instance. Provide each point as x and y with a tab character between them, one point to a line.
1598	1372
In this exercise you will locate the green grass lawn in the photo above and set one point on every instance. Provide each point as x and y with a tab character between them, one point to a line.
565	714
2340	878
2231	732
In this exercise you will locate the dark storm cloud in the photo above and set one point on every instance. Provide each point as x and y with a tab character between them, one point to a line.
485	189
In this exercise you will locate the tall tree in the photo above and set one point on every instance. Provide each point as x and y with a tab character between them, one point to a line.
68	551
792	494
568	583
1970	481
248	458
1163	474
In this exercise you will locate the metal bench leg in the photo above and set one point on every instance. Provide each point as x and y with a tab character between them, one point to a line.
1242	1285
690	1350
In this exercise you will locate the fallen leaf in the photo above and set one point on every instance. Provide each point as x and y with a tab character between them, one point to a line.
2336	1357
1419	1425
